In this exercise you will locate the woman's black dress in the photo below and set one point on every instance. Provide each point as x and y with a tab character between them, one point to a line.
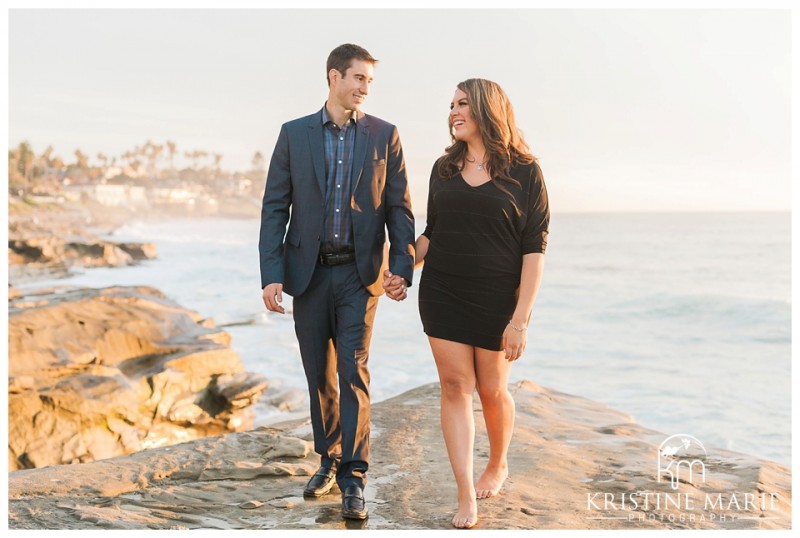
478	235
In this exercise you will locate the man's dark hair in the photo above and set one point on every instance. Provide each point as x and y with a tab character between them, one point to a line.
342	57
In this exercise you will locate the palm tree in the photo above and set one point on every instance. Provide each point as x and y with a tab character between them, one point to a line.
103	161
46	158
25	163
258	162
192	156
81	163
140	153
81	160
16	176
172	148
151	152
158	149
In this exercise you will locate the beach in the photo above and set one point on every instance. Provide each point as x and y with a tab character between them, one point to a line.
641	331
653	314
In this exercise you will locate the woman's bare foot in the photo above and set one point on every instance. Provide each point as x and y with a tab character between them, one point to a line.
467	515
491	481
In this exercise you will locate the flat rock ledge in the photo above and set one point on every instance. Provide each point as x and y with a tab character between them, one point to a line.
97	373
52	244
574	464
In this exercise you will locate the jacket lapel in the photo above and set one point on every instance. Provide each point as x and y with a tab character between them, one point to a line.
360	151
317	147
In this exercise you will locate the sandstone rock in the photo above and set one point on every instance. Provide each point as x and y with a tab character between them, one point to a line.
13	293
564	448
97	254
139	251
241	390
101	373
286	399
50	246
37	248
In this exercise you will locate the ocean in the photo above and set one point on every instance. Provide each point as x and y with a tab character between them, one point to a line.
682	320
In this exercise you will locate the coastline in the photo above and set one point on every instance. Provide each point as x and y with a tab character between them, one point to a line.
568	454
571	452
627	322
100	372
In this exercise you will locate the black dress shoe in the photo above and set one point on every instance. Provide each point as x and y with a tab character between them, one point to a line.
321	483
353	505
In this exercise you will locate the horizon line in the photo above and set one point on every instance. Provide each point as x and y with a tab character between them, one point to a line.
653	211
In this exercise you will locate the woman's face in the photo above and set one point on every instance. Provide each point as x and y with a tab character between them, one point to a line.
462	124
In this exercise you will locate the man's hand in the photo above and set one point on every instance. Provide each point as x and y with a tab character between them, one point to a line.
395	286
273	294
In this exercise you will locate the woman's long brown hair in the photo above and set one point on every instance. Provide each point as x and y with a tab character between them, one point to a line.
504	143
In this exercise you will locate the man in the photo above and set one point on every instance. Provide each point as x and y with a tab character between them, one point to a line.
342	174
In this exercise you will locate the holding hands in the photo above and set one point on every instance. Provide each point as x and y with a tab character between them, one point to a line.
395	286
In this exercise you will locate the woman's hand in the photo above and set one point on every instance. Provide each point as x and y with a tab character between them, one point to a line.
514	342
394	286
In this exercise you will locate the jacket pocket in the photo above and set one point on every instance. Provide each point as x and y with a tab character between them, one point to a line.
293	238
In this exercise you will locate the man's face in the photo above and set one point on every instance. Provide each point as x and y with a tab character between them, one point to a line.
351	88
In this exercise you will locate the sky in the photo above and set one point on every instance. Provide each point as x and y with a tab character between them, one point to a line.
627	110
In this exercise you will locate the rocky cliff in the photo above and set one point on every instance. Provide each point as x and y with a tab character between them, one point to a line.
96	373
51	244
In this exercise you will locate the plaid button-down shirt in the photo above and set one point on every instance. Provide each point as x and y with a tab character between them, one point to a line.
339	143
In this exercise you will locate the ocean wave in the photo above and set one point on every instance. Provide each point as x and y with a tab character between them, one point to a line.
233	232
737	310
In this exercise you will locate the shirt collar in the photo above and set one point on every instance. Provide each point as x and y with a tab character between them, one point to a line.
326	118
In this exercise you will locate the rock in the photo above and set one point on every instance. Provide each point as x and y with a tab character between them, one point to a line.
13	293
564	450
249	505
97	254
286	399
50	244
21	383
282	503
139	251
97	373
241	390
37	248
23	272
188	412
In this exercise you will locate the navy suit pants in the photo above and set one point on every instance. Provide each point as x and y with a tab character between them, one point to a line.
333	321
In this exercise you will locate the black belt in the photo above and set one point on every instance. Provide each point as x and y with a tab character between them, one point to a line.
337	258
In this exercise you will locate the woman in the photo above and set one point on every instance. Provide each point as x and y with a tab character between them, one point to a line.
483	250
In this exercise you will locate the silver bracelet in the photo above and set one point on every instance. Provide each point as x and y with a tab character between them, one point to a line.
518	329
